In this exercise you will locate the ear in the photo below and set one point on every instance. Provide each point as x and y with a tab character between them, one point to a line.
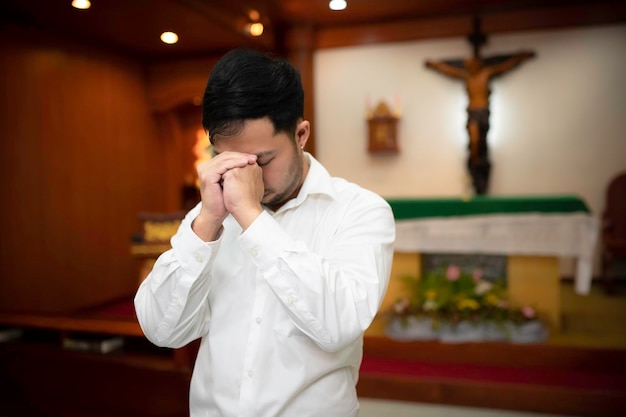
303	130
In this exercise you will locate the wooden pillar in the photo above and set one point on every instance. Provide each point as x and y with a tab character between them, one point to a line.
404	264
299	43
535	281
173	140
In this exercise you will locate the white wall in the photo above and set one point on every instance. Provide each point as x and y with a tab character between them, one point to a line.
558	122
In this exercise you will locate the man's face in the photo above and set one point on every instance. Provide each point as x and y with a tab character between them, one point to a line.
278	155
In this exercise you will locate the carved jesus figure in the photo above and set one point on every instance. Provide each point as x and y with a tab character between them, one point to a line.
477	73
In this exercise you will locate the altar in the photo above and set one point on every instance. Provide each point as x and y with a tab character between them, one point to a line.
533	232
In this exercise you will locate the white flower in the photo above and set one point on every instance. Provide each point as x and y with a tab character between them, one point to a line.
401	306
483	287
430	305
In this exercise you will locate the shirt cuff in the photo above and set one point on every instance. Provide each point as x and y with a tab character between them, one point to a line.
190	251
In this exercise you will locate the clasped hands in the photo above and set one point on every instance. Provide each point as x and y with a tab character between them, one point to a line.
231	182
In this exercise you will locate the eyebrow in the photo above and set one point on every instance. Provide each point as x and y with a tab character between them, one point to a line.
258	155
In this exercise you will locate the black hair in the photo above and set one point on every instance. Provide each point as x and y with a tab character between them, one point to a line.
246	84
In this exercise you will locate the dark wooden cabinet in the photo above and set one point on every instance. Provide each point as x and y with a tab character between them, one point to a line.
41	378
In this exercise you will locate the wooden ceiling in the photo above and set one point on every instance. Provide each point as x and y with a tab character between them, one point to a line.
210	27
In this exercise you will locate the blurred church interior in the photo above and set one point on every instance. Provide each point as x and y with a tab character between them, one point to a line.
100	135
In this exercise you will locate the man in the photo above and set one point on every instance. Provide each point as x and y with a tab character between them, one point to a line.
477	73
279	269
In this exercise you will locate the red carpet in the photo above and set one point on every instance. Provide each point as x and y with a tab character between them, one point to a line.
540	378
495	374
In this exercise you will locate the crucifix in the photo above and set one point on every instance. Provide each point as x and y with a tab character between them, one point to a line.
476	72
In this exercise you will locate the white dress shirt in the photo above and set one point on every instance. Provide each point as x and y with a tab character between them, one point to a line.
281	308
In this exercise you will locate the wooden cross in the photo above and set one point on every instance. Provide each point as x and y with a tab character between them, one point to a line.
477	72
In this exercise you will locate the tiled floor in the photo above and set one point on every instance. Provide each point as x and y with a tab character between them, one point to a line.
383	408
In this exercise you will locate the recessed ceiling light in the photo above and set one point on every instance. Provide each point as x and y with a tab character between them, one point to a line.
255	29
337	4
81	4
169	37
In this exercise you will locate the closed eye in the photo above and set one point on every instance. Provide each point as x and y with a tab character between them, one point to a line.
262	164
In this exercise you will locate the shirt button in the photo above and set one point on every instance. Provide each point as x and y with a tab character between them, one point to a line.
259	320
250	373
290	300
199	258
254	252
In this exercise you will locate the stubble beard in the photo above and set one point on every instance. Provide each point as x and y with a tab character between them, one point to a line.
291	189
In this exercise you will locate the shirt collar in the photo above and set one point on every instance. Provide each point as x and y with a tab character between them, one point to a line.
318	180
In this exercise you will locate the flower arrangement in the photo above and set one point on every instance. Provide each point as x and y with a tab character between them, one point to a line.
444	302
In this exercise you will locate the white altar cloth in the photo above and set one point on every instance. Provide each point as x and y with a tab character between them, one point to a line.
556	234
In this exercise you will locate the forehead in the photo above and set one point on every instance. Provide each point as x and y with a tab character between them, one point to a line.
257	137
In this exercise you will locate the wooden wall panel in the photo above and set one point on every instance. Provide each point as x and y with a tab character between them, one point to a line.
178	83
80	156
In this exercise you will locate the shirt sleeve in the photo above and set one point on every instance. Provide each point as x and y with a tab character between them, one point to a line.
171	303
332	296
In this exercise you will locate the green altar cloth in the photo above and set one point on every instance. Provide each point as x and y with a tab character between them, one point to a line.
404	209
